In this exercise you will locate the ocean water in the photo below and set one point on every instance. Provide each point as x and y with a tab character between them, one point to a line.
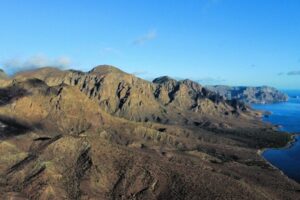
287	115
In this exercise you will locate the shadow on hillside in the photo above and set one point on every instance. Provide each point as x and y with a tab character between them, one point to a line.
11	93
10	127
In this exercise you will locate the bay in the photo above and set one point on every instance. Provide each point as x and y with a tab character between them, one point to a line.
287	115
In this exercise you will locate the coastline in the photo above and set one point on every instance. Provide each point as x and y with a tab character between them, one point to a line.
288	145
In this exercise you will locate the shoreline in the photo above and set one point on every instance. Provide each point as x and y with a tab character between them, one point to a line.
288	145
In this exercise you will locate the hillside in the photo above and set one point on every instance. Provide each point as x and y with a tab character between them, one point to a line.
3	75
106	134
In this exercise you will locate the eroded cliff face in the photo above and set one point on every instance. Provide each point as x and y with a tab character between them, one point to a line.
127	96
106	134
258	95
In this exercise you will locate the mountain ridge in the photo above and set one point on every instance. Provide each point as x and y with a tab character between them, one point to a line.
109	77
106	134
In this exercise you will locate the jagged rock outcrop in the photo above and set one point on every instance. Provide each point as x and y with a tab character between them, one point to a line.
127	96
105	134
258	95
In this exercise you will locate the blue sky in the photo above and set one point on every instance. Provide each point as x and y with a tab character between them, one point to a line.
234	42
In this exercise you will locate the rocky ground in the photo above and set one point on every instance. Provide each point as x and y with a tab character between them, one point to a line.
106	134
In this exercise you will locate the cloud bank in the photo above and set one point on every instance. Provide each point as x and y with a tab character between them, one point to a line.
293	73
290	73
151	35
17	64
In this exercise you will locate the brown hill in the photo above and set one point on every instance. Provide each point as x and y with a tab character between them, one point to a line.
127	96
106	134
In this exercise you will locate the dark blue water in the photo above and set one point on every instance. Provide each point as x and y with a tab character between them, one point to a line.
287	115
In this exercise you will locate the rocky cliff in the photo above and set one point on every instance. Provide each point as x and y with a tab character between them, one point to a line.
258	95
127	96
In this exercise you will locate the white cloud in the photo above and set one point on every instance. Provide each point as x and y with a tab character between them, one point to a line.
16	64
151	35
63	62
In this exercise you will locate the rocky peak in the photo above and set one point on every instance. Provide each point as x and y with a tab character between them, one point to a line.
75	71
193	85
104	69
125	95
164	79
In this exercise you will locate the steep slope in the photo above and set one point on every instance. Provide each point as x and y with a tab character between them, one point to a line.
64	135
259	95
127	96
116	92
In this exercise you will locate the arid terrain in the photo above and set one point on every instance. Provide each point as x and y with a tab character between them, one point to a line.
106	134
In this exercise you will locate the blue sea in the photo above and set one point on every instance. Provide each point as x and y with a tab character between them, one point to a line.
287	115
